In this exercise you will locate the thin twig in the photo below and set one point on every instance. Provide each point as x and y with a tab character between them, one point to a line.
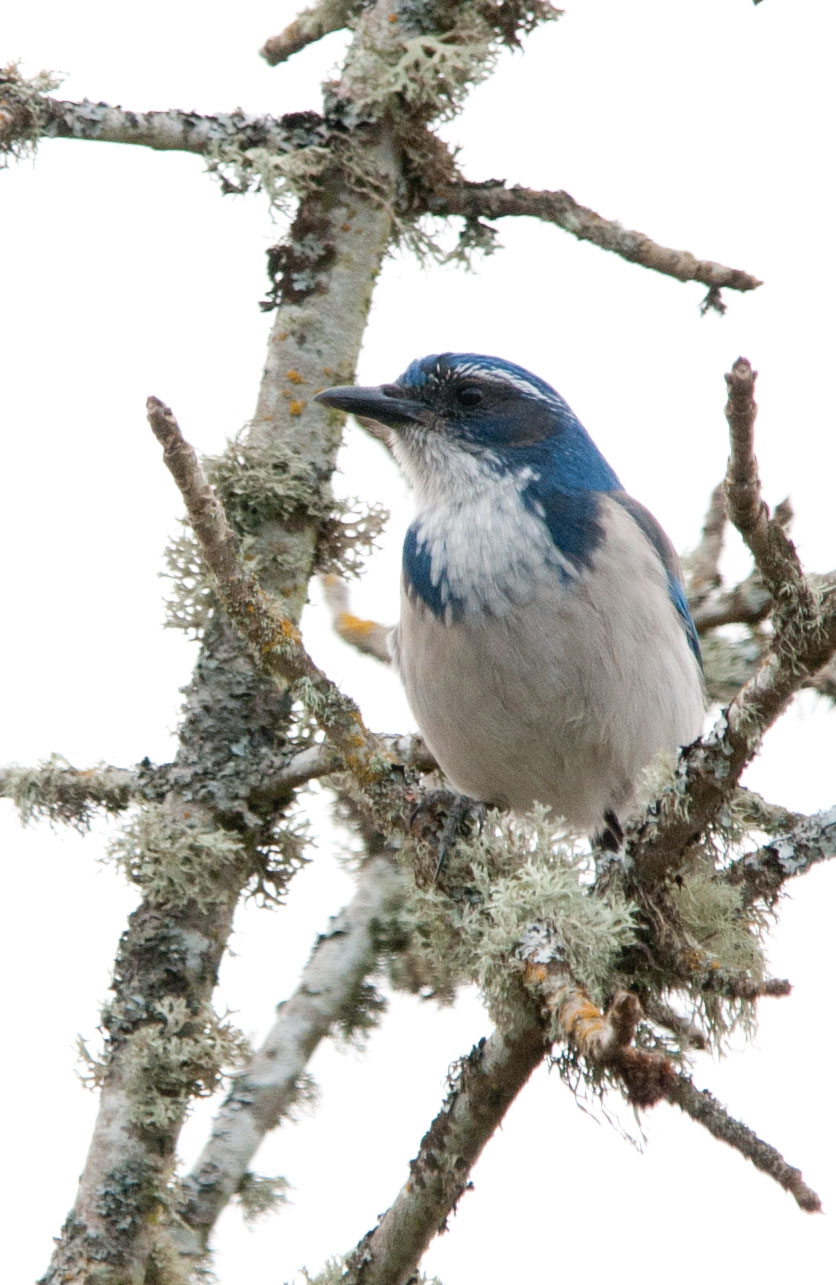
311	25
493	200
366	636
701	1106
704	562
773	551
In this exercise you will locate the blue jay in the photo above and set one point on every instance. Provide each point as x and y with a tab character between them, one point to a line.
545	642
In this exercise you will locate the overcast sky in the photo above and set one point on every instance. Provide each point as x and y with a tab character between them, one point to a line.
125	273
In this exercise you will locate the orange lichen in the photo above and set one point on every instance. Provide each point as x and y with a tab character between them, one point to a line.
295	377
296	408
354	626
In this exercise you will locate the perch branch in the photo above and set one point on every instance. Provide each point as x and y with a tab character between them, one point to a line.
493	200
701	1106
311	25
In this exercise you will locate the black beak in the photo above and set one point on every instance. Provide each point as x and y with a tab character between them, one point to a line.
386	404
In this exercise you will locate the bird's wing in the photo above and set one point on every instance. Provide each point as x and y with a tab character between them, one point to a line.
657	537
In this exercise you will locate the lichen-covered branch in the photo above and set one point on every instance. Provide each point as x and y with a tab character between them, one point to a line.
803	642
267	1087
58	792
274	639
28	112
603	1039
762	874
311	25
701	1106
493	200
216	826
482	1087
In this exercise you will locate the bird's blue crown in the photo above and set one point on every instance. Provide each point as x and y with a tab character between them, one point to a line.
521	420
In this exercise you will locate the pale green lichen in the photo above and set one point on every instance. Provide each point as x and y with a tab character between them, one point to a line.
57	792
730	658
22	110
284	177
175	861
179	1055
259	1194
713	917
263	479
348	535
191	599
518	873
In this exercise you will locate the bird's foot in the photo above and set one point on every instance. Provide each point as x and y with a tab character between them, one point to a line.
440	818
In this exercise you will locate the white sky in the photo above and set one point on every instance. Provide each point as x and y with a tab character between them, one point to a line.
124	273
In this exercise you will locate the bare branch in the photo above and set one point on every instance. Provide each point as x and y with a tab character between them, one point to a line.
268	1086
311	25
773	551
746	604
701	1106
493	200
483	1085
704	561
366	636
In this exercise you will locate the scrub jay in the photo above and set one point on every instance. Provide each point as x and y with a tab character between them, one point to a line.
545	642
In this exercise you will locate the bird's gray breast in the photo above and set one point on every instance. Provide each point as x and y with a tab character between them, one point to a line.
539	681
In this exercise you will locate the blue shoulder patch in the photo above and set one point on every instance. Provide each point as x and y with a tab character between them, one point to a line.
645	520
417	574
573	519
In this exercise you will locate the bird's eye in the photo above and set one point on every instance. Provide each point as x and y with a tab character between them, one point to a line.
470	395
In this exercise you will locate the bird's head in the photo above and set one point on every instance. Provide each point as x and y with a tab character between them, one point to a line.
485	409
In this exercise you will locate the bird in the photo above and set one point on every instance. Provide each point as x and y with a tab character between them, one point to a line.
545	642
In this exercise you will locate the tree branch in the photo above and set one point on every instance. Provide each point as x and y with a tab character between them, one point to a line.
58	792
268	1086
482	1087
762	874
164	131
804	640
773	551
493	200
311	25
274	640
701	1106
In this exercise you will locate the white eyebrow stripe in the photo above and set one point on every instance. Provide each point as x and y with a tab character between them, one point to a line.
501	378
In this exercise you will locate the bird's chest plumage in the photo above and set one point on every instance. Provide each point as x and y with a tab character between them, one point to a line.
533	677
484	556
